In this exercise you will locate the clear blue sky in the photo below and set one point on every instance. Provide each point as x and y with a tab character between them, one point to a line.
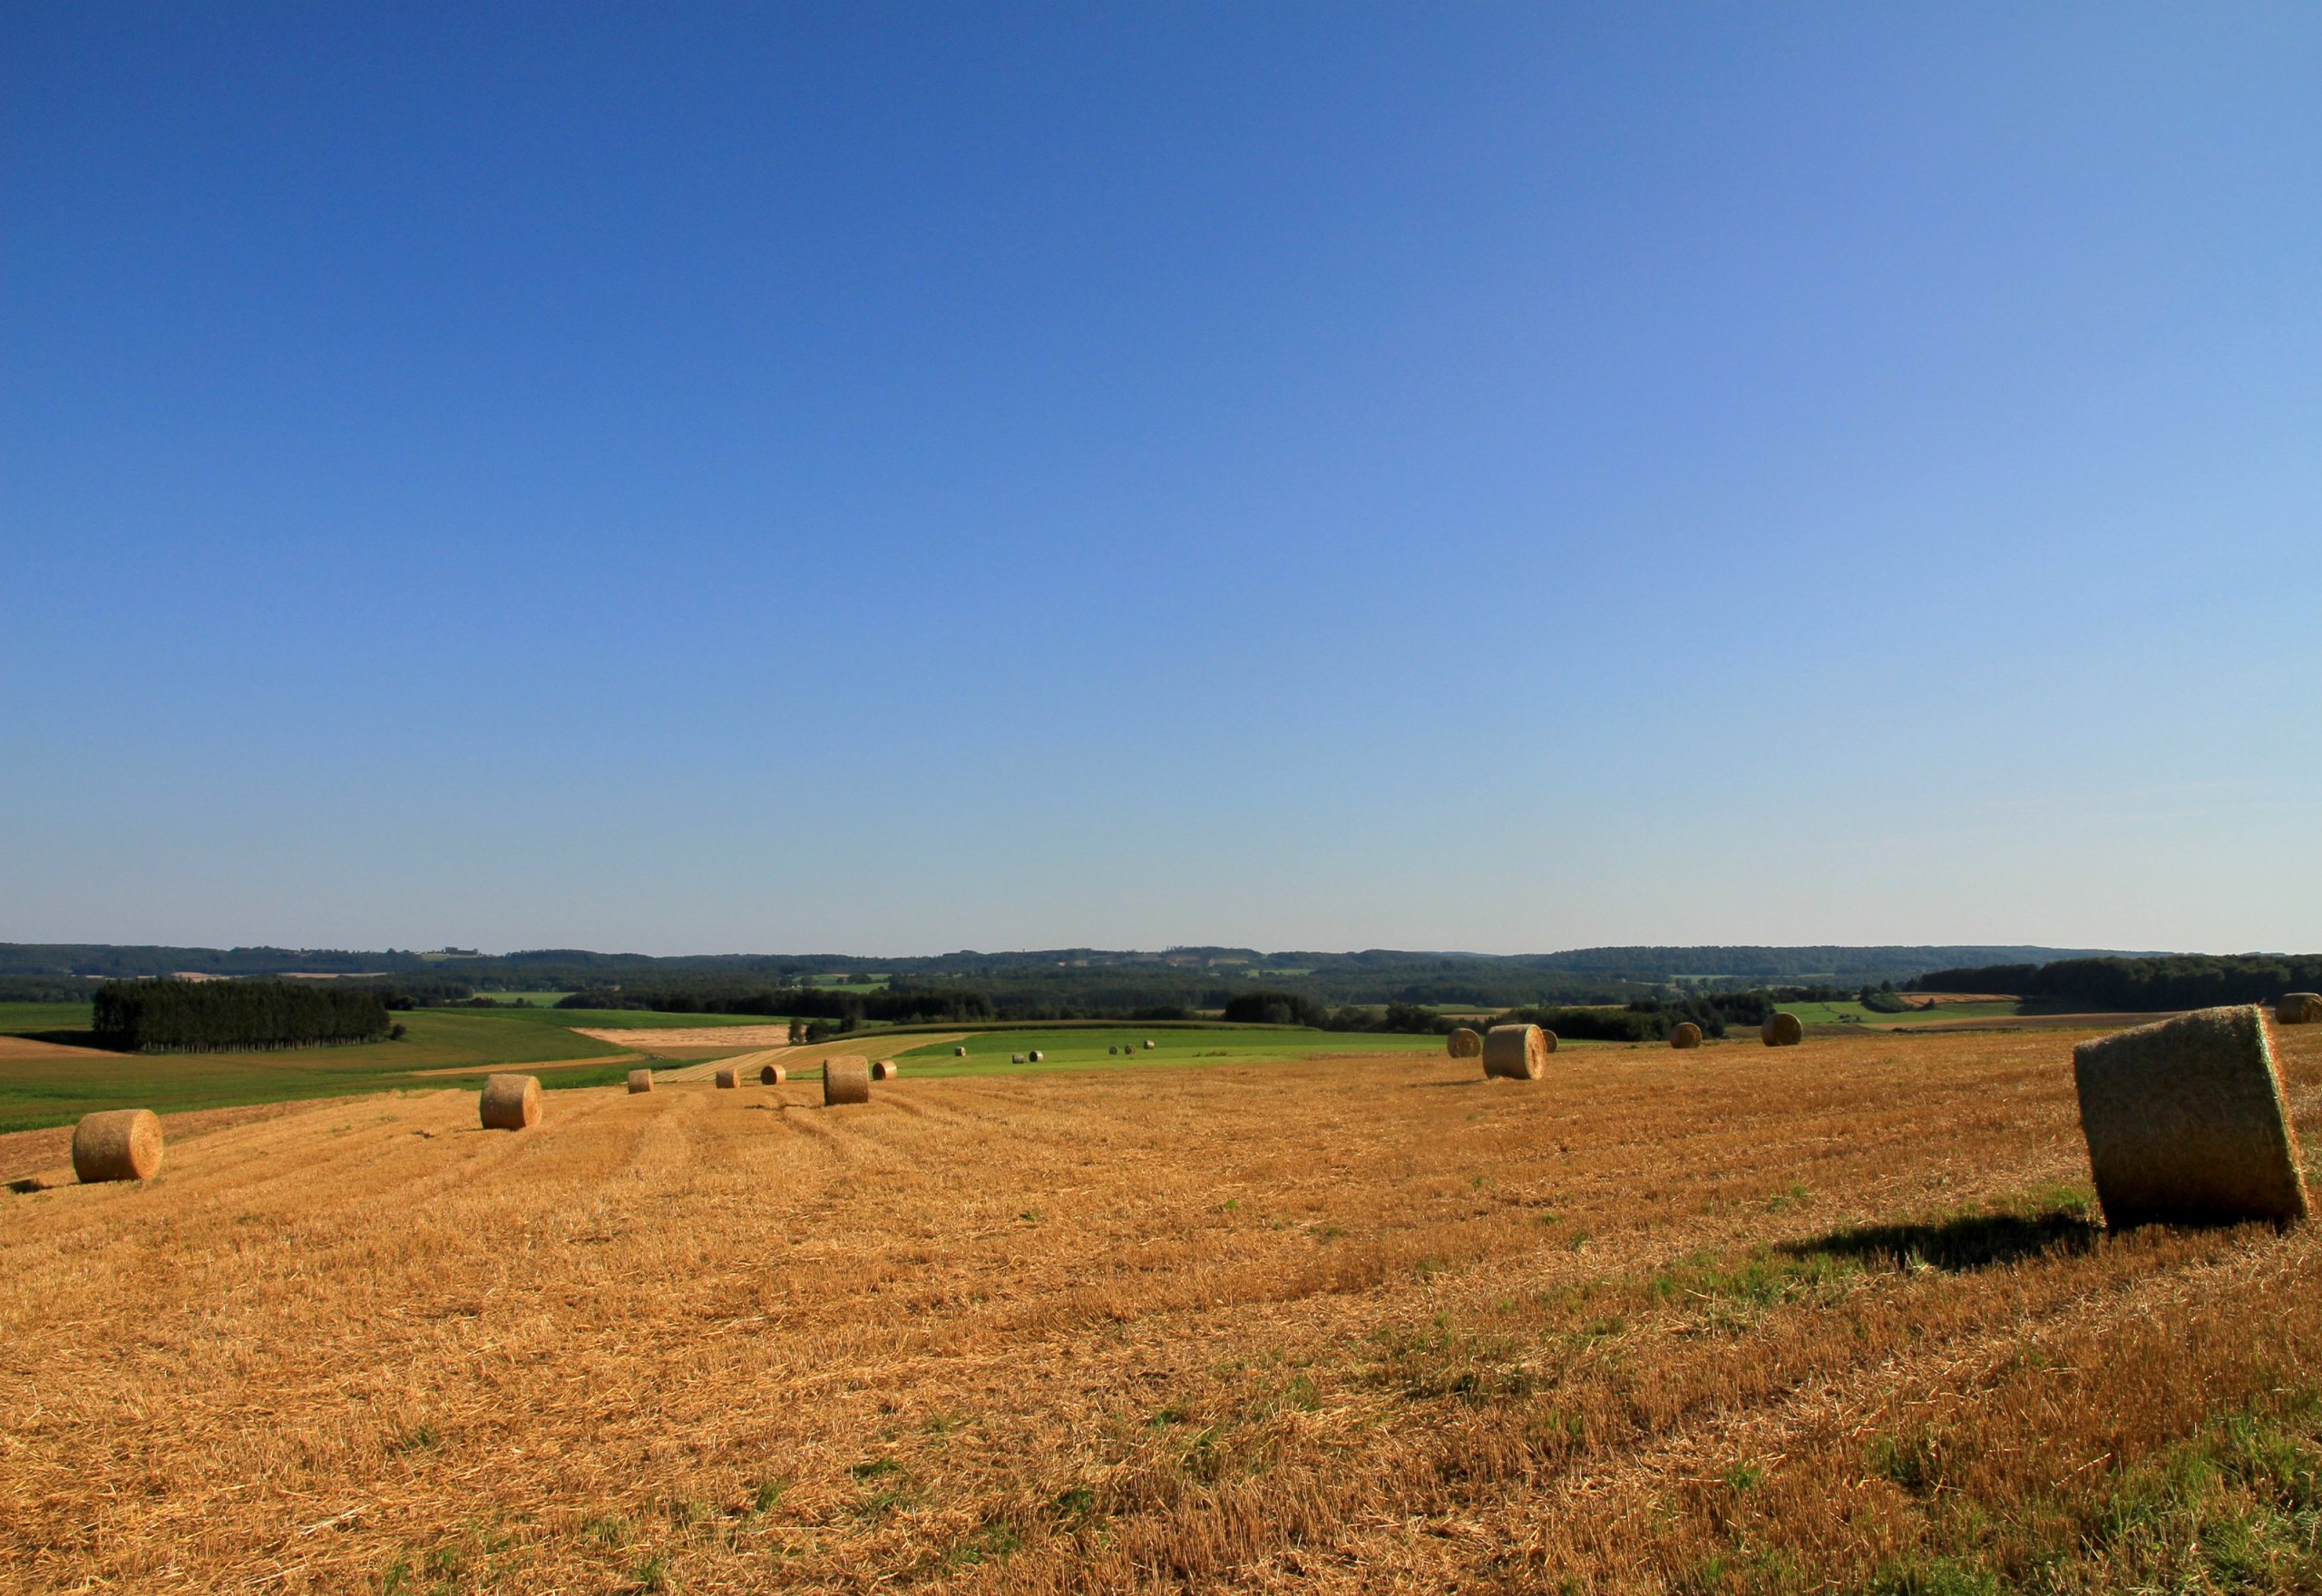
895	478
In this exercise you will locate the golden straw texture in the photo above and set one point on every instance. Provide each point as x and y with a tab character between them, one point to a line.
1517	1052
2185	1122
120	1144
510	1103
846	1079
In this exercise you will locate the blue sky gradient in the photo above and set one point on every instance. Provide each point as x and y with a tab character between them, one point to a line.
891	479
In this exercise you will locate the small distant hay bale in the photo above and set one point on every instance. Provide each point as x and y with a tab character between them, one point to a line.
1015	1058
2298	1008
1517	1052
1784	1029
959	1053
119	1145
1149	1041
510	1103
773	1075
885	1070
1036	1055
640	1080
1466	1044
728	1078
846	1079
2186	1123
1686	1035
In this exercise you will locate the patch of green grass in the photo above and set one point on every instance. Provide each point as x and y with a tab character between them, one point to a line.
1760	1279
18	1019
464	1045
1852	1013
2236	1508
994	1540
988	1052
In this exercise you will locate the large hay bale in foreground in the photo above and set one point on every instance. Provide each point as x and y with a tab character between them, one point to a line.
1782	1030
1686	1035
1517	1052
884	1070
2298	1008
510	1103
728	1078
119	1145
846	1079
2185	1122
773	1075
1464	1043
640	1080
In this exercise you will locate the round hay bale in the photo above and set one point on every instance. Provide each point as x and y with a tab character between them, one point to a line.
2186	1123
1782	1030
1015	1058
1686	1035
510	1103
1036	1055
1517	1052
885	1070
119	1145
846	1079
959	1053
1111	1051
1149	1041
773	1075
728	1078
640	1080
2298	1008
1464	1043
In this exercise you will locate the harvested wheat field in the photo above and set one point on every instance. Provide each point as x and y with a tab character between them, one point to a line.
1823	1318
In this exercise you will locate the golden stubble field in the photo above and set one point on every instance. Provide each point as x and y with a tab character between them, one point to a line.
1737	1319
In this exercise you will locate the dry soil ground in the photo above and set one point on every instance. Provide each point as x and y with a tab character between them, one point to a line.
1814	1318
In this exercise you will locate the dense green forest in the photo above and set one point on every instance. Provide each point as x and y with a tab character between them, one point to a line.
1052	984
2140	985
142	1016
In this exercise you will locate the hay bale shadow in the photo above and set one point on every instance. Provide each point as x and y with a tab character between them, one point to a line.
1957	1246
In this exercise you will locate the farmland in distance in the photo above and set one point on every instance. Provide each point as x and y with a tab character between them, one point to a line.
1832	1318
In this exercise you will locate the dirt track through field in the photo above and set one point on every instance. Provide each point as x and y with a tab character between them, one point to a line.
1348	1324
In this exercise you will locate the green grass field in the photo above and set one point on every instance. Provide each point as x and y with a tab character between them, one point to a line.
472	1042
466	1044
537	999
1854	1012
988	1052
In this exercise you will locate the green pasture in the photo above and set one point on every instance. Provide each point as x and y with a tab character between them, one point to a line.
1853	1013
1083	1048
467	1043
537	999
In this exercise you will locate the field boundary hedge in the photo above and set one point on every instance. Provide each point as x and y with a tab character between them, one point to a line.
219	1017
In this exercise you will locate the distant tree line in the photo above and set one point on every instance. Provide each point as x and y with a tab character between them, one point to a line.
903	1007
1648	1019
146	1017
2175	980
44	989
